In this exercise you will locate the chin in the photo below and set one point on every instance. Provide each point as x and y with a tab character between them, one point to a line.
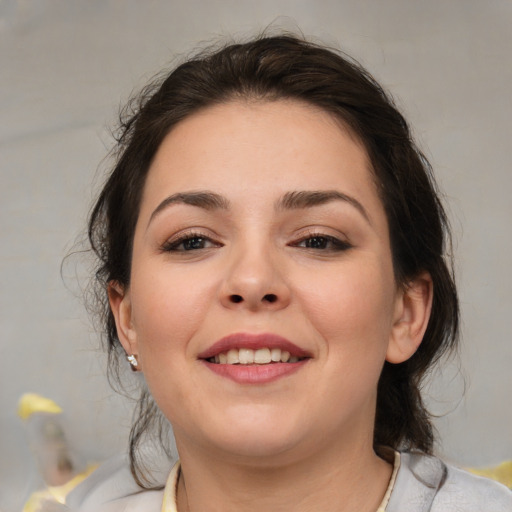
257	437
258	448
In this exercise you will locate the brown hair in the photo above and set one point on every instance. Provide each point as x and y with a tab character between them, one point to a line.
287	67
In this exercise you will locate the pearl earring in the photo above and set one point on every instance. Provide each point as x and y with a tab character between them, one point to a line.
133	362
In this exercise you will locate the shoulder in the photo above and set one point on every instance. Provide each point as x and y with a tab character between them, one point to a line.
111	488
426	484
466	492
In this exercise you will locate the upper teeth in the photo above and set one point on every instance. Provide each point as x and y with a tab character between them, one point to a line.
259	356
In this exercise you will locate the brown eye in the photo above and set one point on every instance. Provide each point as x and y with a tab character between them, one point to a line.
190	242
194	243
316	242
323	242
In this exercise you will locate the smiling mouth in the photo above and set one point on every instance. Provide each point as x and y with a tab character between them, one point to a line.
254	359
260	356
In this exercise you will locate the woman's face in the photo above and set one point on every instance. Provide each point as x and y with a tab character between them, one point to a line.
261	235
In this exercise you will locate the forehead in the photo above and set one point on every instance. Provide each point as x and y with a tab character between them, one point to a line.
260	148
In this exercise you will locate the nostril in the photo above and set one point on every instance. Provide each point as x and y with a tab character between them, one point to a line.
236	298
270	297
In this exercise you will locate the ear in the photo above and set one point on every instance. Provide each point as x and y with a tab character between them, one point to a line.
120	304
412	313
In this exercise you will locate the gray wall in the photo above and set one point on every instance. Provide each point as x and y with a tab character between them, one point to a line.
65	66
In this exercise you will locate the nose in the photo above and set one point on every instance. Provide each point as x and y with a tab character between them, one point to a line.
255	281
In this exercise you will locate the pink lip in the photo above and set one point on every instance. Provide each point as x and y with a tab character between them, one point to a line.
254	373
254	342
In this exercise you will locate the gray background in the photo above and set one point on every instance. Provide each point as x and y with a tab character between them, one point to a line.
66	66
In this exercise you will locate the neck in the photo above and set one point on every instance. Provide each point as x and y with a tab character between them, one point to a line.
330	480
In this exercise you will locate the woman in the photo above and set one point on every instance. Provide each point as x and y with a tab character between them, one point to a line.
271	244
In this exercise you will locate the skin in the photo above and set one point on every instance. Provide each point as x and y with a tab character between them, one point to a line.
304	441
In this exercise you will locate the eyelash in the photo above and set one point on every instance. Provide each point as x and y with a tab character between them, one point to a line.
335	243
174	244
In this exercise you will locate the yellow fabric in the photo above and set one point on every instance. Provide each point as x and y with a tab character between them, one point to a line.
501	473
31	402
55	493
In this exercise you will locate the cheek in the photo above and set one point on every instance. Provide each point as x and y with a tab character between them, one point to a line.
168	309
166	315
352	310
352	313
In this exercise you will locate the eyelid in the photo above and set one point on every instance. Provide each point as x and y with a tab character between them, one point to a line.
339	241
187	234
327	232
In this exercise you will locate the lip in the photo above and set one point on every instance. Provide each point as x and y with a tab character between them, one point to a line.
254	342
254	373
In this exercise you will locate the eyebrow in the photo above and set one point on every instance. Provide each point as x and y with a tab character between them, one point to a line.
310	198
290	201
206	200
